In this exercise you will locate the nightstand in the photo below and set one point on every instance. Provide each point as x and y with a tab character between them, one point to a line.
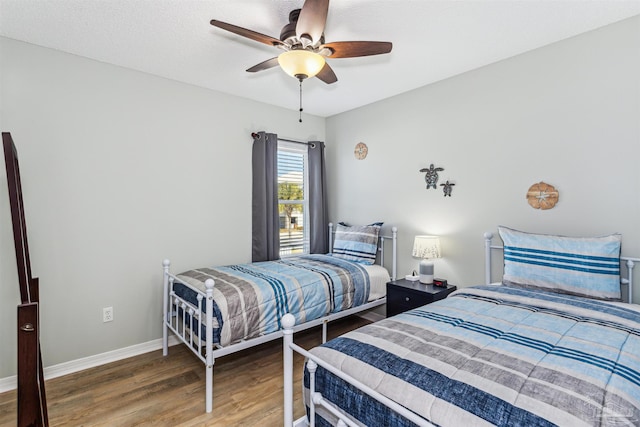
403	295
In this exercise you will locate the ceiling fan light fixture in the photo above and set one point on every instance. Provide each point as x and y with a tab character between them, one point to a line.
300	63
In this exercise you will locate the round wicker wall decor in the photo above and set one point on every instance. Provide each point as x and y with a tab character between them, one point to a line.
361	150
542	196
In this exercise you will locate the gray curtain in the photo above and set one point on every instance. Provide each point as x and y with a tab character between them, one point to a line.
318	212
265	218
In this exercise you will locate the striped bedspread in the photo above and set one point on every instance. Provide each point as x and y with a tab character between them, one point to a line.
250	299
494	355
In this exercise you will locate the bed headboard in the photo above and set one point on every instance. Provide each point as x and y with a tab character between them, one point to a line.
381	244
627	262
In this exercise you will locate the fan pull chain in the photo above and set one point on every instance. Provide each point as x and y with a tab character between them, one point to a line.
300	120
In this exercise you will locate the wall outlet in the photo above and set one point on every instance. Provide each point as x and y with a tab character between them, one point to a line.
107	314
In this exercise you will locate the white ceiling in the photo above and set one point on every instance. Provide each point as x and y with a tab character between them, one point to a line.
432	40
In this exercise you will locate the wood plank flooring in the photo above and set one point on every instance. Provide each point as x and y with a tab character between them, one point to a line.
169	391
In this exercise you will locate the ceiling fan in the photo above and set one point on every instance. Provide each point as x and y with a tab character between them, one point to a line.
303	44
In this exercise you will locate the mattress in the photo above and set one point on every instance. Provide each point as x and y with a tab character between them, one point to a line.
250	299
493	355
378	278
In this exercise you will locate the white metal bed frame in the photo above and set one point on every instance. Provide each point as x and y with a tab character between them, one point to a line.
317	400
202	313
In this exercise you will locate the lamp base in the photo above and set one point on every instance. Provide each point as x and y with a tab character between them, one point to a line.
426	272
426	279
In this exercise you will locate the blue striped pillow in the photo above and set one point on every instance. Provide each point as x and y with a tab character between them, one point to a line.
357	243
587	266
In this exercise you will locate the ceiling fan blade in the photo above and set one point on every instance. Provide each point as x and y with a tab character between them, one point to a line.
253	35
269	63
327	75
312	20
353	49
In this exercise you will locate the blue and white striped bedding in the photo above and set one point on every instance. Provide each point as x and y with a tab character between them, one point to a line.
250	299
493	355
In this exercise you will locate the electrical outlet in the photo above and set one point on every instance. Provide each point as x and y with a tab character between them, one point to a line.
107	314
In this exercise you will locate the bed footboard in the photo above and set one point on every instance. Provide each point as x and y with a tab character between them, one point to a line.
187	321
316	399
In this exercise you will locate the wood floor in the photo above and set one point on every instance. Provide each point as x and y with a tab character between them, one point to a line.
169	391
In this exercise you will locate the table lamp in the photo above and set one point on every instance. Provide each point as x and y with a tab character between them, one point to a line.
427	248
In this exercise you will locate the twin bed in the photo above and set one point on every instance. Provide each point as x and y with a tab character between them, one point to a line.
217	311
550	345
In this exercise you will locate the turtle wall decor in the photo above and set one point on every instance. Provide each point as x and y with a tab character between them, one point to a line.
446	188
431	176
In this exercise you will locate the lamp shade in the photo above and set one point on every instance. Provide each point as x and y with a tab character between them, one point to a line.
426	247
301	64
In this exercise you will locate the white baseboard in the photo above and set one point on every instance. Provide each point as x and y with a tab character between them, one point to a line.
10	383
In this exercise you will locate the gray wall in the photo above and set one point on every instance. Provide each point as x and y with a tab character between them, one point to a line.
120	170
567	114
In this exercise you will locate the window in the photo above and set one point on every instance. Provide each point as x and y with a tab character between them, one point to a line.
292	198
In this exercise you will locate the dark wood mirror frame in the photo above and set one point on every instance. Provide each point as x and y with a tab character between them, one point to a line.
32	403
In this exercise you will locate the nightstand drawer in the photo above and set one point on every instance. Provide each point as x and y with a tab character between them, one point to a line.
403	295
408	298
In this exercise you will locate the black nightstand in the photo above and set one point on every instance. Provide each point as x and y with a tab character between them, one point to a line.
403	295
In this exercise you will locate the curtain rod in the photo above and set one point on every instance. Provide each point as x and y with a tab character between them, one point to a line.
312	144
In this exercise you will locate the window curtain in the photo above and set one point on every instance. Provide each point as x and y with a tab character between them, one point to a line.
318	212
265	218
